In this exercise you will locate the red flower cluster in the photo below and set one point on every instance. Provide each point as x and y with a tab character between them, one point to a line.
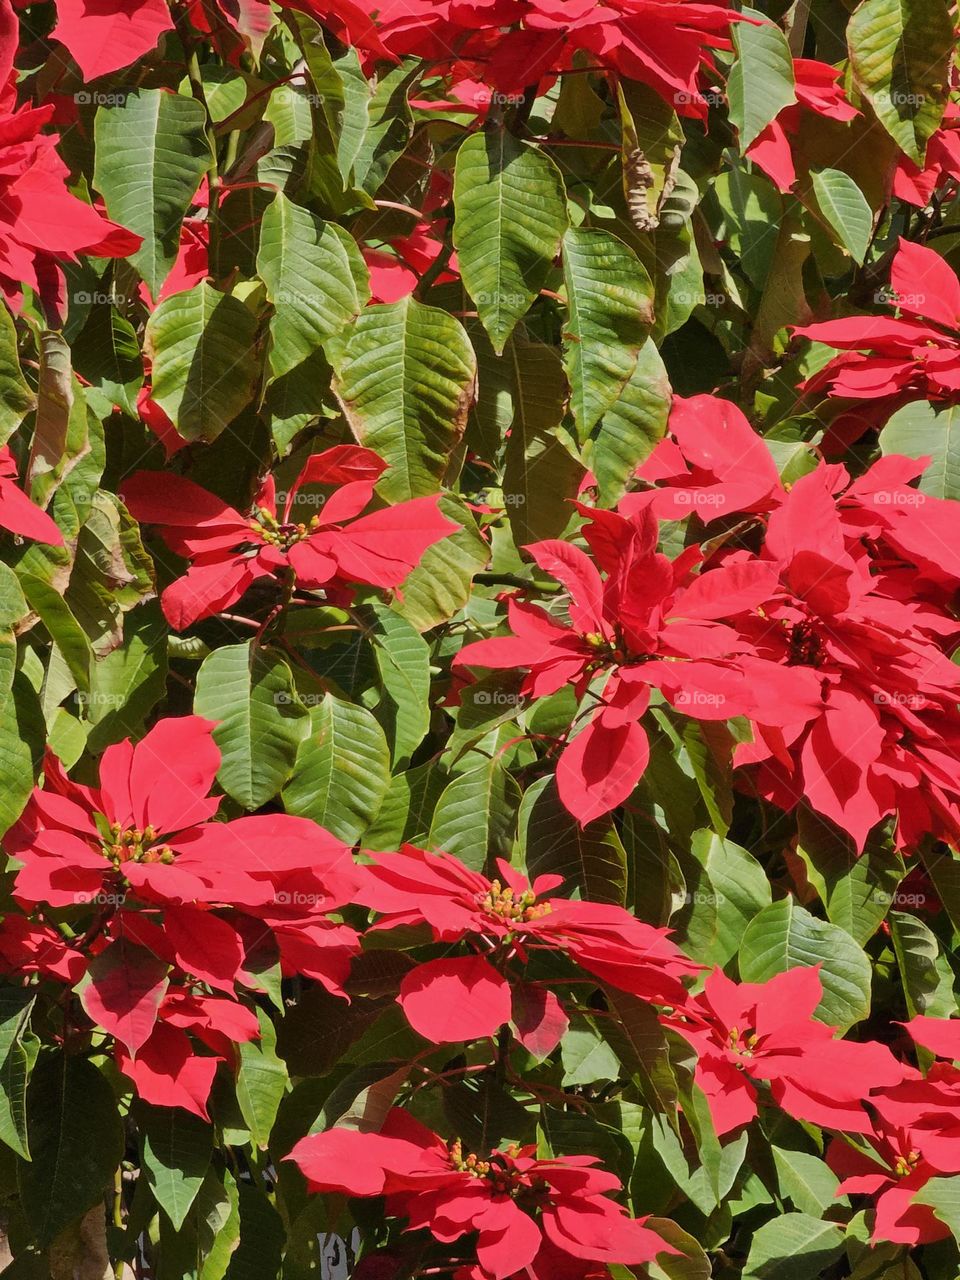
535	1219
179	899
511	44
818	94
887	360
749	1033
41	223
650	622
465	997
915	1137
229	551
831	636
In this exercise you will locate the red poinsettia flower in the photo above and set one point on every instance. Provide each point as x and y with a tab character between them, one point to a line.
229	551
819	96
941	162
17	512
465	997
166	1068
892	1171
712	465
648	622
891	360
518	43
528	1214
752	1033
877	737
41	223
28	946
715	466
105	35
928	1106
145	838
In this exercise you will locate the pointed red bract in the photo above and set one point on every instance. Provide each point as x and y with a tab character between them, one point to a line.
335	547
524	1210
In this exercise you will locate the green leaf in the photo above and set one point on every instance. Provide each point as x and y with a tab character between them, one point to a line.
152	151
177	1148
845	210
440	585
313	272
18	1054
261	721
342	770
900	52
922	430
760	83
405	377
389	127
805	1179
925	972
785	935
475	815
541	471
511	213
60	422
16	398
610	311
590	858
740	885
586	1058
403	660
63	627
943	1197
76	1140
21	740
632	427
107	354
261	1082
794	1246
130	680
13	603
200	1249
202	344
689	1262
638	1040
857	889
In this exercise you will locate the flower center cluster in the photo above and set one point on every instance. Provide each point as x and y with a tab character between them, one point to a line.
133	845
905	1165
806	647
742	1043
282	536
501	1176
507	905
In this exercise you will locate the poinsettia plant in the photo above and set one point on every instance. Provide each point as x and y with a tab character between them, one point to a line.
479	640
